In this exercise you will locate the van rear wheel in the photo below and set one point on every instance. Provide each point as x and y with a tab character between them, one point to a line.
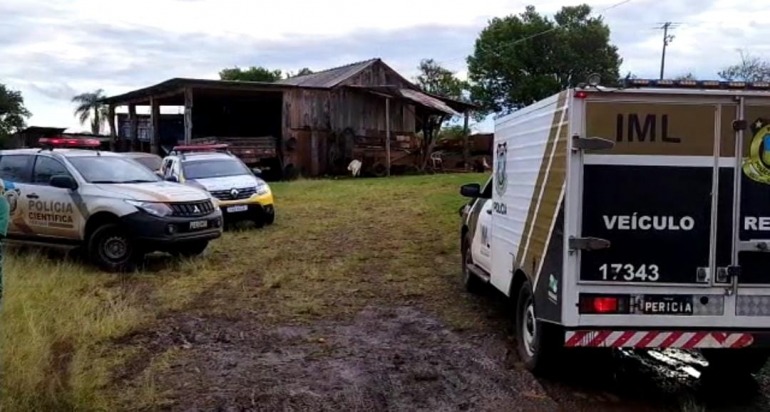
538	343
735	362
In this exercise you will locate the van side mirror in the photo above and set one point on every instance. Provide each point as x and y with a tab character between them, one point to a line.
257	171
63	182
472	190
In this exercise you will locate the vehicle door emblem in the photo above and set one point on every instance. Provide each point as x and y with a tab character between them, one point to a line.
501	181
196	209
234	193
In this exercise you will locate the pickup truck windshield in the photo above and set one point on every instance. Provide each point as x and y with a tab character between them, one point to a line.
203	169
112	169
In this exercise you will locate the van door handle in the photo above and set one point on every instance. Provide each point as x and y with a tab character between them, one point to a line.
489	211
32	196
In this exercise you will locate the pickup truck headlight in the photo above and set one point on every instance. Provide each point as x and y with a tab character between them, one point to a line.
153	208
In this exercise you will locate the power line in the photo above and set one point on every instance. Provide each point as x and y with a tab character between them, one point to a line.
515	42
523	39
667	38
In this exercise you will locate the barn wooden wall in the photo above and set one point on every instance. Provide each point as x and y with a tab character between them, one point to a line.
311	115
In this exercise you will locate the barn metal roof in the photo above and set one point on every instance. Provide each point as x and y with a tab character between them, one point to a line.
330	77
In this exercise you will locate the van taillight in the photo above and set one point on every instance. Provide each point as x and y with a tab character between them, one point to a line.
603	304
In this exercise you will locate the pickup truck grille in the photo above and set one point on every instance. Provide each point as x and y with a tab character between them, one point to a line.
192	209
242	193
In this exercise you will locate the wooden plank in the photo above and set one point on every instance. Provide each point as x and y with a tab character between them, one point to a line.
188	105
133	131
113	131
154	126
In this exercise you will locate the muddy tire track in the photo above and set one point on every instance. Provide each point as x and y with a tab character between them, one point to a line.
384	359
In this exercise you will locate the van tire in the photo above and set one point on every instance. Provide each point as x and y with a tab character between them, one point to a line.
111	249
735	362
471	282
537	343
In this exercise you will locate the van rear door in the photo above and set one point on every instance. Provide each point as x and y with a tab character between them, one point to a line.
651	197
743	258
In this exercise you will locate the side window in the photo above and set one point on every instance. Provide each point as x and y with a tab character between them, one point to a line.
45	167
15	168
486	192
176	169
168	167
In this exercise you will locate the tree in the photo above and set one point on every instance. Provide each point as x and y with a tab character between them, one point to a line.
302	72
437	80
89	106
252	74
520	59
12	112
686	76
750	69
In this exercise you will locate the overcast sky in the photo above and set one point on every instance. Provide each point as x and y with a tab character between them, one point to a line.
54	49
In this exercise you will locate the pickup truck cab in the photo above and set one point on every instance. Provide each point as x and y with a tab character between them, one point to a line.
110	206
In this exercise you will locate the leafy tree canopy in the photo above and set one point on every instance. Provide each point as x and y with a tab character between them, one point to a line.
520	59
749	69
13	114
436	79
89	107
252	74
302	72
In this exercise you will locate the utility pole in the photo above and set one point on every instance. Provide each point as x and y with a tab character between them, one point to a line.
667	38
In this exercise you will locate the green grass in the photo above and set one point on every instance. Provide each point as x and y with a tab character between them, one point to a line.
336	246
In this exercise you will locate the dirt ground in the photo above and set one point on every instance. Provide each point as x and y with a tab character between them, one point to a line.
385	359
399	359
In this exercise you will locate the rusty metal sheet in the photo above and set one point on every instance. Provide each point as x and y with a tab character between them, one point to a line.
428	101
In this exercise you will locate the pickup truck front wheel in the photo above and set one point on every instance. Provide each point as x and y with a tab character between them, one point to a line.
112	249
471	282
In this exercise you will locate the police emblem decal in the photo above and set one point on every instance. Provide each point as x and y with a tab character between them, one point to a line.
501	183
756	165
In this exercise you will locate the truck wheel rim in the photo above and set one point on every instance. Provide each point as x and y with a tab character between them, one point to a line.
529	328
115	248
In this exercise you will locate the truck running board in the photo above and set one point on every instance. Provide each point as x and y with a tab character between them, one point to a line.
481	273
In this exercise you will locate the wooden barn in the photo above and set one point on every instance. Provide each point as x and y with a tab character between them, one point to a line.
319	122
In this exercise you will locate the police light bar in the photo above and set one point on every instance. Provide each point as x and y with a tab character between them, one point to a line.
200	148
696	84
68	142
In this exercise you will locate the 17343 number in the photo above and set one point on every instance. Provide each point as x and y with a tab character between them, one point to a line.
629	272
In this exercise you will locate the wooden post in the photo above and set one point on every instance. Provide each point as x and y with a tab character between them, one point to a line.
154	126
188	105
133	129
387	136
466	139
113	131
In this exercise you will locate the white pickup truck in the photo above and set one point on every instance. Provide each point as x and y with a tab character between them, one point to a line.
632	217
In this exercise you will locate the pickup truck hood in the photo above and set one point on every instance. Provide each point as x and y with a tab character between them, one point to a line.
156	192
228	182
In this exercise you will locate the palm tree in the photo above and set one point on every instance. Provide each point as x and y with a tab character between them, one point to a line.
89	106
